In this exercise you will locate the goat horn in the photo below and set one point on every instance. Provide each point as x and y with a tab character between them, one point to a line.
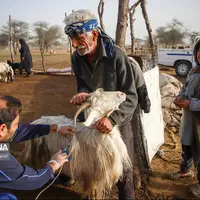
82	107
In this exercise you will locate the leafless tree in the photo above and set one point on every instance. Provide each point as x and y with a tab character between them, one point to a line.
10	38
122	19
131	20
171	34
52	35
148	26
100	12
40	30
45	37
19	30
192	36
176	32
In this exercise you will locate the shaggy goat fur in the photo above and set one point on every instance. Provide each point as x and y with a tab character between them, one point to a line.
97	159
6	72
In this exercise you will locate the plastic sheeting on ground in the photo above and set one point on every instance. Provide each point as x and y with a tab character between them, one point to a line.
64	71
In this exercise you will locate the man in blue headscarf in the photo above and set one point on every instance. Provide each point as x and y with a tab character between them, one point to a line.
98	63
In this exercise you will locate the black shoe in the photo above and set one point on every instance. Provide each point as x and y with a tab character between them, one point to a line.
29	75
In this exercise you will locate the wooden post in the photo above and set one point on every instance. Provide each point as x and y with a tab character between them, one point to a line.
131	20
10	38
43	61
122	19
100	12
42	54
148	26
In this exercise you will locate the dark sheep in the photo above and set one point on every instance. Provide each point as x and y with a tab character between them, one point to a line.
15	66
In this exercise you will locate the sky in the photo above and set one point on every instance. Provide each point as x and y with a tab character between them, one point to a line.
160	13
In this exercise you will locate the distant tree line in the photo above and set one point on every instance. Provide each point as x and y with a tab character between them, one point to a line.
174	33
44	36
40	35
170	35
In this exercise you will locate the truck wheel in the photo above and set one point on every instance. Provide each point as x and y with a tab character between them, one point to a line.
182	68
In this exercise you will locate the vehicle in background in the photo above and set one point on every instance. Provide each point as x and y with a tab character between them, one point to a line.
180	59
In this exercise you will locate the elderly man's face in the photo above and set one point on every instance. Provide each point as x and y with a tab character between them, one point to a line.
85	43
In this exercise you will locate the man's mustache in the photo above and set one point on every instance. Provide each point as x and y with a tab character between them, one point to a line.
80	47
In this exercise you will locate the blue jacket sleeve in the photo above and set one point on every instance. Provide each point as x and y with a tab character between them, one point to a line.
30	131
15	176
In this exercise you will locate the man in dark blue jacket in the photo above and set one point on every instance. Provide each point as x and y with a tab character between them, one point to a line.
13	175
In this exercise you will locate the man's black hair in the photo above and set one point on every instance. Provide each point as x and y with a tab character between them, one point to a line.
9	112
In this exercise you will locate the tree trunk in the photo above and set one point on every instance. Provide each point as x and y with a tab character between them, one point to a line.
10	38
100	12
43	61
122	19
17	47
131	15
14	48
132	33
173	39
148	26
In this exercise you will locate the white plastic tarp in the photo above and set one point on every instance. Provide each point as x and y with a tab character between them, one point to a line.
153	122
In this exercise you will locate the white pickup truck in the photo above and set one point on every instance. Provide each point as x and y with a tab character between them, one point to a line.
181	59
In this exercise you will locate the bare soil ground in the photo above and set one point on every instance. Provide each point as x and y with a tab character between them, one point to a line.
49	95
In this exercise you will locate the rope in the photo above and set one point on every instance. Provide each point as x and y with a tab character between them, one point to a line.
49	184
64	150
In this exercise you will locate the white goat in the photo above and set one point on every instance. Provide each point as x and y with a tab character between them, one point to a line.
6	72
52	52
97	159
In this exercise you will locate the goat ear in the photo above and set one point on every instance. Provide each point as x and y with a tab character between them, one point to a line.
99	90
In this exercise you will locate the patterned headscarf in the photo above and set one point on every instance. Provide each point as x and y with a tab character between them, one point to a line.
82	21
81	27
